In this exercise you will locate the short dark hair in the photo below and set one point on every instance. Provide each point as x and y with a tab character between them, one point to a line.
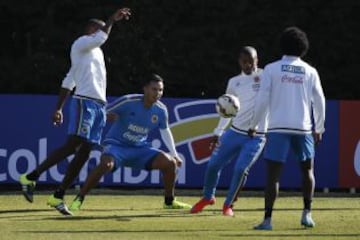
294	42
152	78
248	50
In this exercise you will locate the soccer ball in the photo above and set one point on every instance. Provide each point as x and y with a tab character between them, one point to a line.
227	105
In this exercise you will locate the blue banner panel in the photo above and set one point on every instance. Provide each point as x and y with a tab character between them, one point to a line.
28	136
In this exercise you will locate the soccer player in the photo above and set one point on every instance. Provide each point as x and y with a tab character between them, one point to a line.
125	144
87	108
291	94
234	143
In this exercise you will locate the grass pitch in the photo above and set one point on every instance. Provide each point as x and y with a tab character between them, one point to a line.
139	216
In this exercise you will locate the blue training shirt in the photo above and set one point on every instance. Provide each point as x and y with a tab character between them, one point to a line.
135	121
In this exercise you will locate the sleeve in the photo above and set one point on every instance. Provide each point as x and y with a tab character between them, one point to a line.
117	106
262	99
168	139
230	88
68	81
164	120
223	123
88	42
318	105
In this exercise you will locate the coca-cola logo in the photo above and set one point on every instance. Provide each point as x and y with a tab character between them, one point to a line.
292	79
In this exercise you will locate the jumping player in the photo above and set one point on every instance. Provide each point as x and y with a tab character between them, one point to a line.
87	108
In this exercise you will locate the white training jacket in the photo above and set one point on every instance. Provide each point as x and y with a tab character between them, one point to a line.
245	87
87	72
290	93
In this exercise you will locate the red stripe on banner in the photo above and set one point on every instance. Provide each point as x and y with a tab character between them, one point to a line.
201	148
349	136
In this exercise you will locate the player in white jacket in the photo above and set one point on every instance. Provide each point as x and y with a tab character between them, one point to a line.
234	143
290	94
87	108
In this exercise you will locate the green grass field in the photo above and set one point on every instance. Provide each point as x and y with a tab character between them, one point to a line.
139	216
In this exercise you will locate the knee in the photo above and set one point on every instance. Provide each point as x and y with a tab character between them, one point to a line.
169	163
213	166
84	151
107	163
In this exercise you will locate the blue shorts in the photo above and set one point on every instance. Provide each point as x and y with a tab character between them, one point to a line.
138	157
87	119
234	145
278	145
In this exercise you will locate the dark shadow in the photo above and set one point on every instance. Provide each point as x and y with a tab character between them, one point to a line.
275	235
25	211
123	231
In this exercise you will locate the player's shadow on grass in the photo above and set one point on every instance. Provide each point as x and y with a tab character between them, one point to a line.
122	231
27	212
127	217
296	209
272	234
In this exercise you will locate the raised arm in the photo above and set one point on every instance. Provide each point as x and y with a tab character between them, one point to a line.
120	14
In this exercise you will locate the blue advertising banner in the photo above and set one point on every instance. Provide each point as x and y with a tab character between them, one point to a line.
28	136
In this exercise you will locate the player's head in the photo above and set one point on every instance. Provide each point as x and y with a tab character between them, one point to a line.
93	25
153	88
248	59
294	42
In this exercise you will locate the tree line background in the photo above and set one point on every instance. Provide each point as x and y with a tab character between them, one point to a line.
192	44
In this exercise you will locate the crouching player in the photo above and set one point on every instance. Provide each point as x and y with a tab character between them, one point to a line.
125	144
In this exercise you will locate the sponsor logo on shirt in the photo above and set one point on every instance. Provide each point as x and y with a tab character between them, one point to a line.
292	79
293	69
138	129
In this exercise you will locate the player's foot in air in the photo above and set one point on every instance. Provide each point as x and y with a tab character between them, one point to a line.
59	205
177	205
228	211
306	219
28	187
199	206
76	204
265	225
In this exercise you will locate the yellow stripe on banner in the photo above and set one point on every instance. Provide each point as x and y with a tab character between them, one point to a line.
191	129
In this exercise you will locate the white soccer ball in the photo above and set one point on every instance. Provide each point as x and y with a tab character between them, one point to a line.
227	105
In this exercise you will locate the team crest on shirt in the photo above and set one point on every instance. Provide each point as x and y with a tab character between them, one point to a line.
84	129
256	84
154	118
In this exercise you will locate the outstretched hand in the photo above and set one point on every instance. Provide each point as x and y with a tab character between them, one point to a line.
122	13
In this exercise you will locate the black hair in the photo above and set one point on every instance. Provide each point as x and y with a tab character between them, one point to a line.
294	42
152	78
248	50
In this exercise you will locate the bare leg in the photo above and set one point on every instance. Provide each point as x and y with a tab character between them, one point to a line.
106	165
167	166
307	170
272	186
81	156
72	143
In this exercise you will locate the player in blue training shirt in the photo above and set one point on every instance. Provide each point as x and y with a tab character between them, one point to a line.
125	144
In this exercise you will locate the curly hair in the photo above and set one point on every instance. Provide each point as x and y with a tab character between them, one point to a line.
294	42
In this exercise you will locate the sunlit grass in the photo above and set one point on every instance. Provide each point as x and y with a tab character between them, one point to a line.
126	216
